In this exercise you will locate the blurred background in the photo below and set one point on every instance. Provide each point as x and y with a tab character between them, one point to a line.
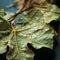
5	3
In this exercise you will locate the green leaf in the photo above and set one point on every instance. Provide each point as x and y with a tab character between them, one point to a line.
32	28
4	32
4	24
5	42
4	27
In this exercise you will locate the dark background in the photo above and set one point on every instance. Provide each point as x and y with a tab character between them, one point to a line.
4	3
